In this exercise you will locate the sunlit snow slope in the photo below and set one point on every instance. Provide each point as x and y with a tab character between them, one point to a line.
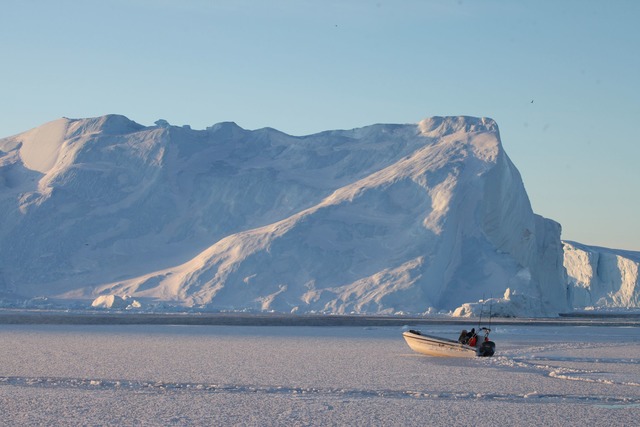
381	219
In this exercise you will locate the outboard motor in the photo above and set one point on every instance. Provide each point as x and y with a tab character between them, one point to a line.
486	349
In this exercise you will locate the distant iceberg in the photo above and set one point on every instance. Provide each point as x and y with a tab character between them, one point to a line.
601	277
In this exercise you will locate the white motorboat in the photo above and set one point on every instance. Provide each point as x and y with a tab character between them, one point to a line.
443	347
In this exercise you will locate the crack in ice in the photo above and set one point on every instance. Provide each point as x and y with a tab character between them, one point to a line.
189	387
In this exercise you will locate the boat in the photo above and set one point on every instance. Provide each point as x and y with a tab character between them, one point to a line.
443	347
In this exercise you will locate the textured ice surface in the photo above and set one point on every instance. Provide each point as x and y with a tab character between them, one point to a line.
225	375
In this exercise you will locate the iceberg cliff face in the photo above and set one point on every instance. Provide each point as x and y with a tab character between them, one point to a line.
381	219
601	277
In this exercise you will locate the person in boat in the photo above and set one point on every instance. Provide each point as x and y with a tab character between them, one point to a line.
465	336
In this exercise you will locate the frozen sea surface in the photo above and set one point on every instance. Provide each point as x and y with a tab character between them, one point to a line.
240	375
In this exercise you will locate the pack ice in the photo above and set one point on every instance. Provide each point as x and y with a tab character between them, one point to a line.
383	219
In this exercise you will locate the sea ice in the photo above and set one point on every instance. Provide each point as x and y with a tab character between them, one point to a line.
228	375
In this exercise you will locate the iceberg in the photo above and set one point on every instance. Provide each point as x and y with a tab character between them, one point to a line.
385	219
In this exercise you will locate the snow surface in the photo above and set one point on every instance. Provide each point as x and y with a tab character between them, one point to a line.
225	375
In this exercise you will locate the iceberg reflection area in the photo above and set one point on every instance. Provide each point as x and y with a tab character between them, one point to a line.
230	375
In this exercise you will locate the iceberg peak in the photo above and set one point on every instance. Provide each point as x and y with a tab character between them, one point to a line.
110	124
440	126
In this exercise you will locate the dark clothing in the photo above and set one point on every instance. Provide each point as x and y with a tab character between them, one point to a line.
466	336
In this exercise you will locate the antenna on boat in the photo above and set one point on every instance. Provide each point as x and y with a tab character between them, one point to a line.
490	306
481	310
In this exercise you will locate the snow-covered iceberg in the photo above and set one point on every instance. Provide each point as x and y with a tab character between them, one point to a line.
601	277
381	219
115	302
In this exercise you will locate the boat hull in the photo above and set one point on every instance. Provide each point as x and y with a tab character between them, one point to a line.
436	346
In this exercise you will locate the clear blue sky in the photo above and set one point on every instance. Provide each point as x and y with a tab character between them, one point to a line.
307	66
